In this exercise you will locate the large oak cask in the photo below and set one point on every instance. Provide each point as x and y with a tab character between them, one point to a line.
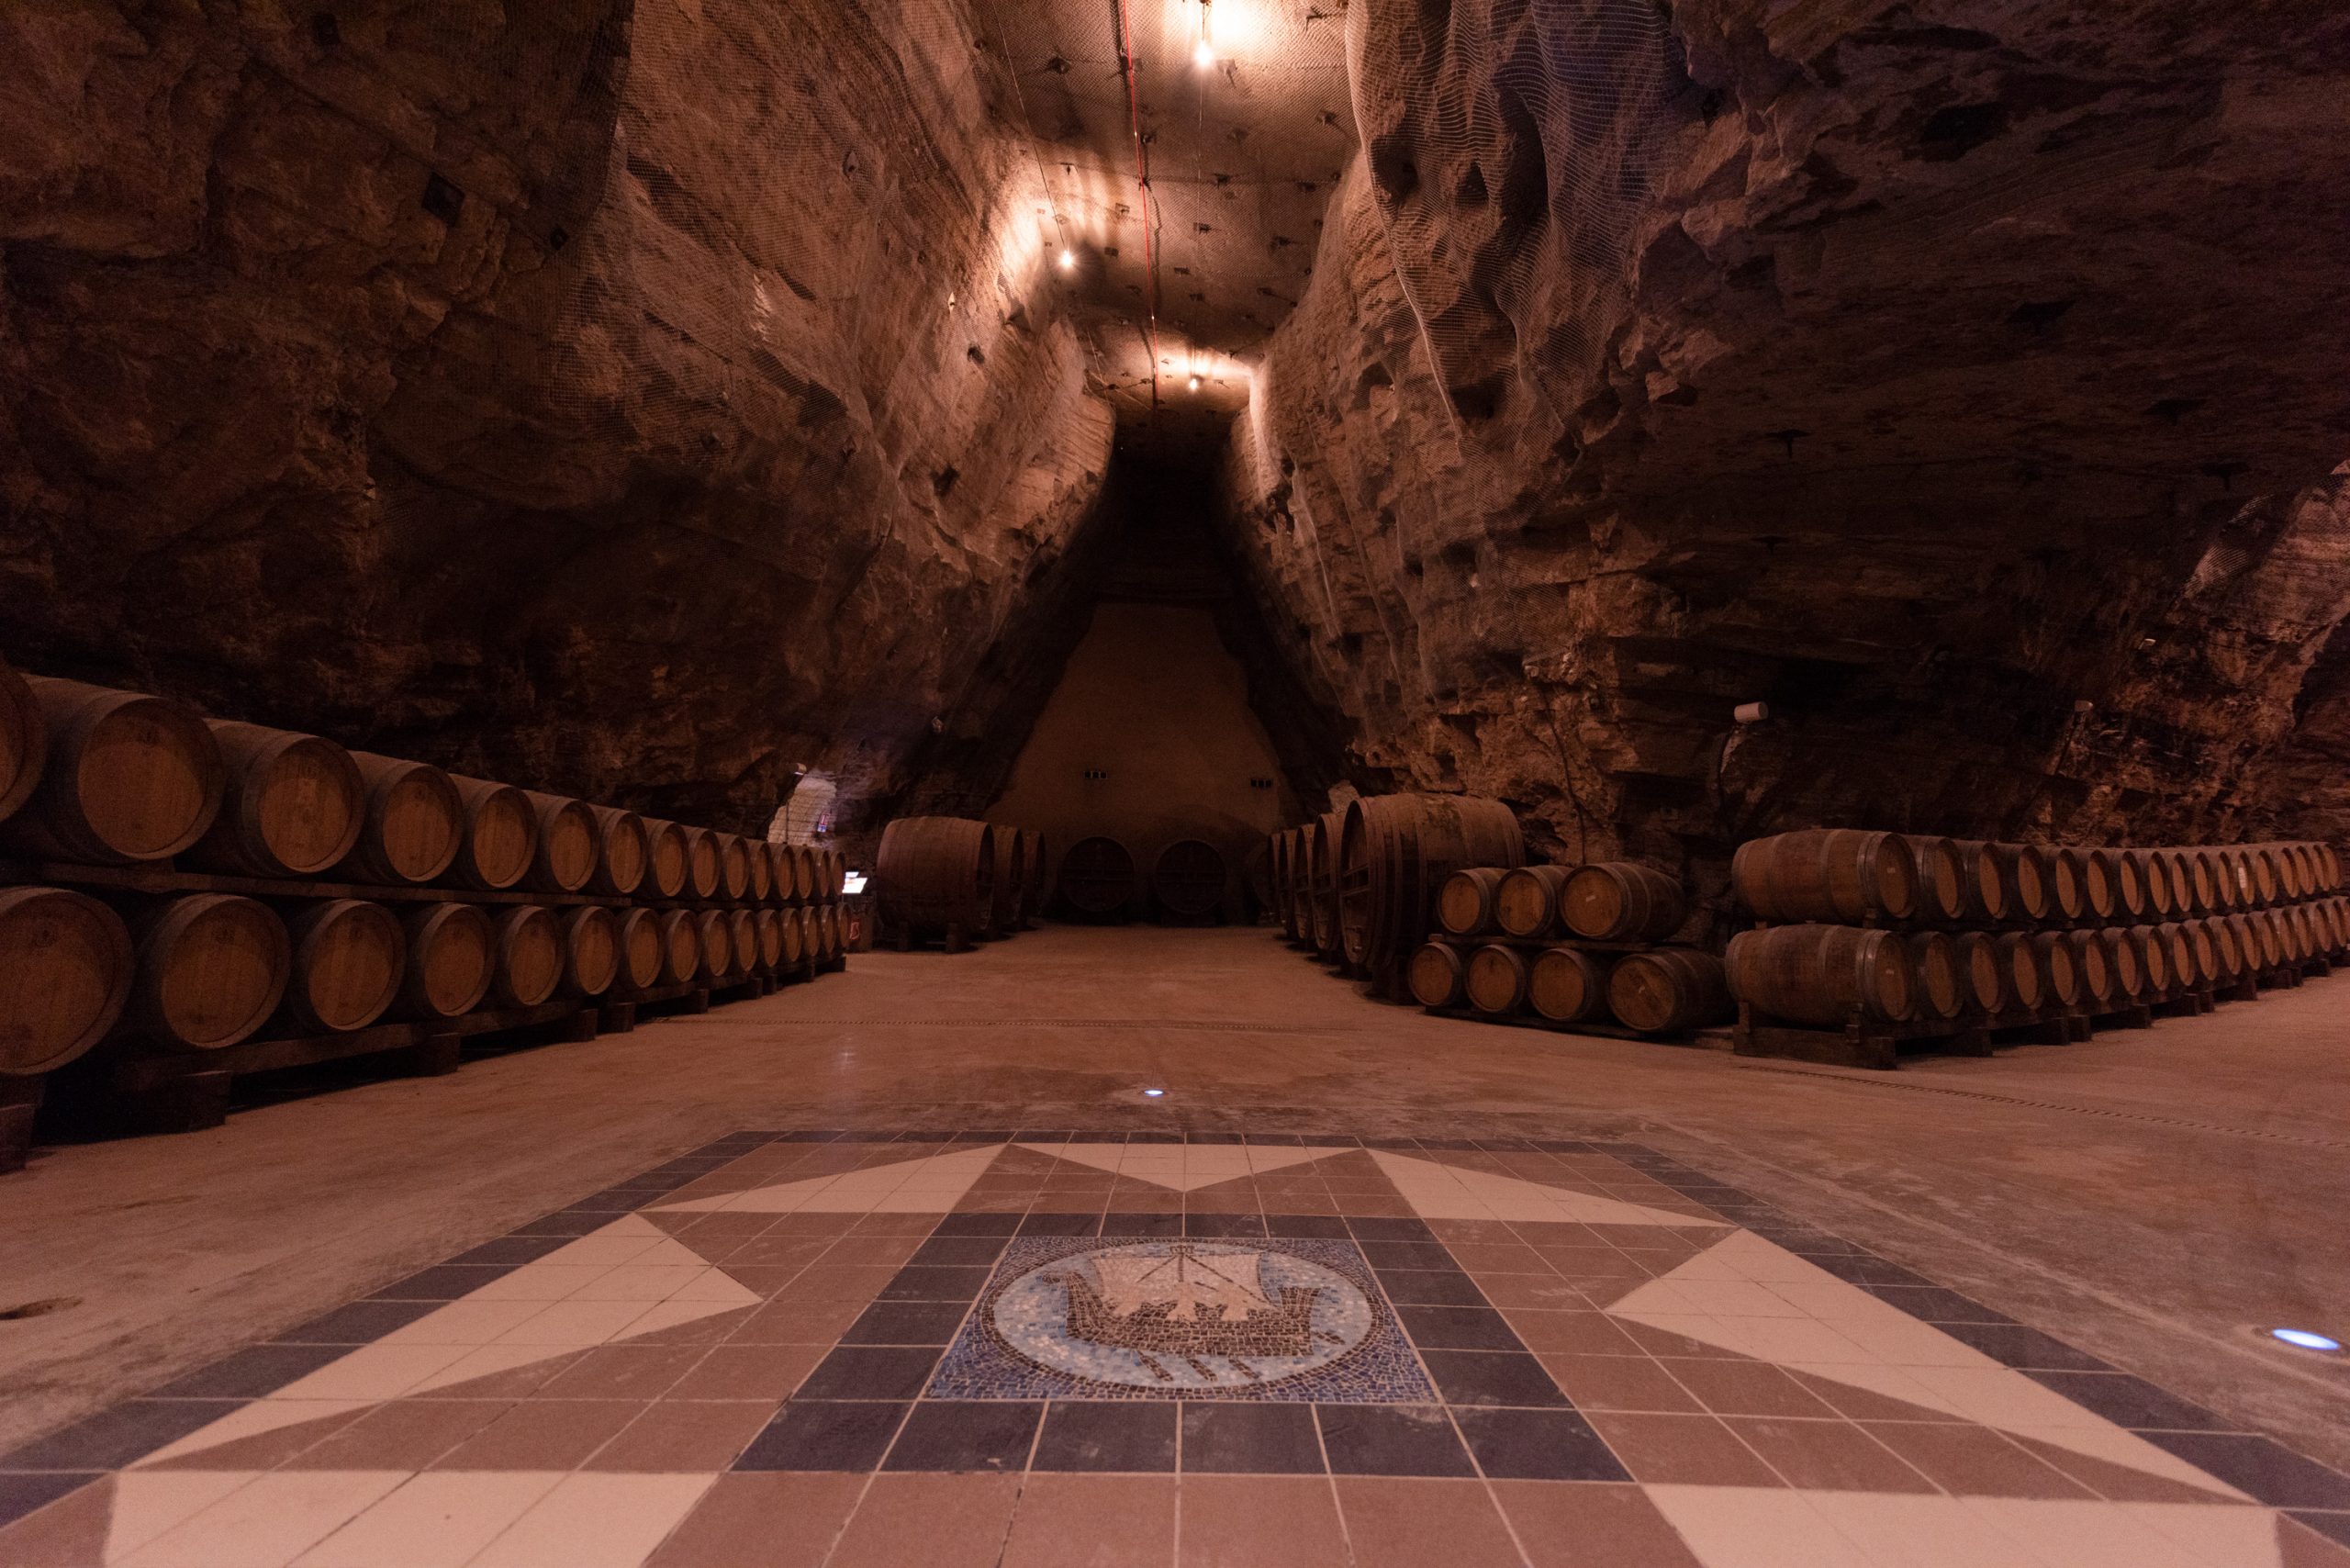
1567	985
1033	855
350	957
705	868
931	872
212	968
414	827
128	777
1621	901
292	805
1395	851
1826	874
66	965
1665	991
666	859
1097	876
641	953
591	950
1439	976
501	834
567	846
1826	976
680	947
1188	879
1526	903
623	852
452	960
530	957
1496	979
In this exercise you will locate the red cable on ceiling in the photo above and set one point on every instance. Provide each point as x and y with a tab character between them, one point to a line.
1142	180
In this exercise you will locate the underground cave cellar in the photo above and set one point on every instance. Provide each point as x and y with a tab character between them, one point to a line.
1174	784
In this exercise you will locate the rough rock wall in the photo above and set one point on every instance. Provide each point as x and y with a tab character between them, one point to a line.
1961	385
636	397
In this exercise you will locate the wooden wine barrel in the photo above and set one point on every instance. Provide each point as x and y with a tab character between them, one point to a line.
2057	969
2090	970
2129	885
2094	870
2329	867
1823	975
2207	952
1439	976
2236	881
1010	878
761	887
530	957
452	960
24	741
2154	959
1322	893
778	873
2153	876
1667	990
1464	904
1942	892
769	931
795	934
1526	901
639	946
2262	864
742	932
623	852
2026	975
836	874
1940	987
716	933
2203	876
1097	876
414	826
567	846
1395	851
1188	879
1621	901
1032	855
2123	969
128	777
734	866
292	805
705	870
2227	933
1826	874
931	873
2268	939
1496	979
666	859
2293	870
212	968
1567	985
2178	952
591	950
1277	868
66	967
2067	899
680	947
2026	868
1986	895
2298	946
1983	980
350	957
830	936
1255	881
501	834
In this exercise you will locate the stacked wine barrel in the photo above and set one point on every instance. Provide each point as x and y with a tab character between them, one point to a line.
180	885
1908	936
955	880
1571	946
1356	888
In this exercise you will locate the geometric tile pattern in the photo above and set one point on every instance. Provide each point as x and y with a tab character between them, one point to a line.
1038	1347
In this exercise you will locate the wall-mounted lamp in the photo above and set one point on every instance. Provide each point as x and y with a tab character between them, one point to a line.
1069	259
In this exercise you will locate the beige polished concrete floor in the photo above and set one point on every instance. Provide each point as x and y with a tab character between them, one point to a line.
2159	1198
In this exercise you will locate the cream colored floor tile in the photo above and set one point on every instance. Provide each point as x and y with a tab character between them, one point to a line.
436	1520
2220	1536
2108	1441
466	1322
1906	1342
540	1281
267	1522
641	1282
671	1313
1920	1531
146	1503
592	1520
1735	1527
574	1323
373	1372
2067	1534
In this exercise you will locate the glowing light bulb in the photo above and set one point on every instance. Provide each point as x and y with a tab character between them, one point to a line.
2305	1339
1153	1093
1203	53
1069	259
1195	383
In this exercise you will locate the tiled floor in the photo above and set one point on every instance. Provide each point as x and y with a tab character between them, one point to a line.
1053	1347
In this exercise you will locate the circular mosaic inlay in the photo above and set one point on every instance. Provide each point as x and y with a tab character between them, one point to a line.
1181	1315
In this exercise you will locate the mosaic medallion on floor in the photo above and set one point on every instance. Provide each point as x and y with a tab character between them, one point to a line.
1007	1348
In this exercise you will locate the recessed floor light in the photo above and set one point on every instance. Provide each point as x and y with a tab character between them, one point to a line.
1152	1093
2305	1339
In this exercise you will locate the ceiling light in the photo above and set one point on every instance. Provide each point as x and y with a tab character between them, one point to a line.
2305	1339
1153	1093
1069	259
1203	53
1195	383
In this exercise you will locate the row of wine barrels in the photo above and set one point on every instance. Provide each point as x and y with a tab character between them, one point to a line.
1657	990
118	778
1613	901
1395	851
1846	875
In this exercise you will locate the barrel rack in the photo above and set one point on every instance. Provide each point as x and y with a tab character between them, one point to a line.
148	1089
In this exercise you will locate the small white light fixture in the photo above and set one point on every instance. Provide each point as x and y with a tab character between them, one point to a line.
853	882
1154	1094
1069	259
2305	1339
1195	383
1204	54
